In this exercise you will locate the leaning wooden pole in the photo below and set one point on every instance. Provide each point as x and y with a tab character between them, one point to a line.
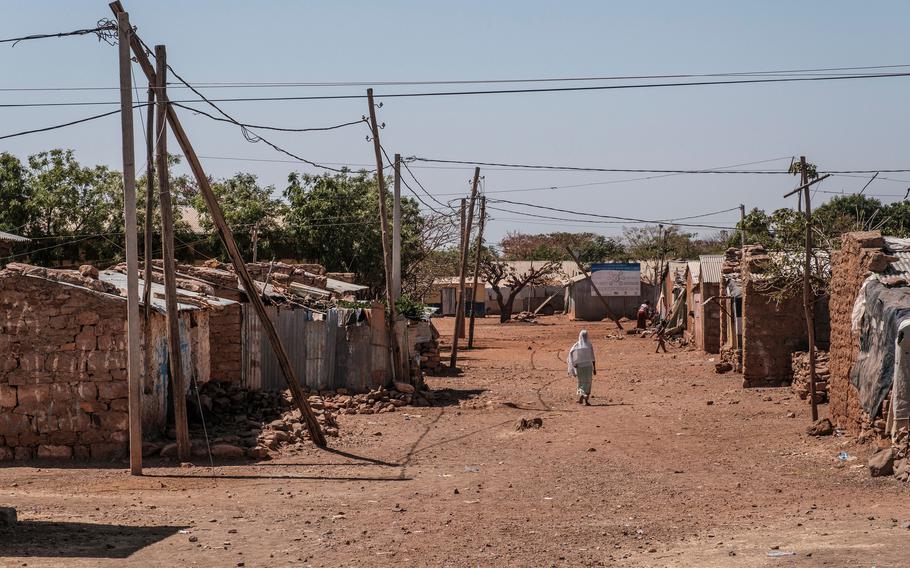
227	238
174	351
594	287
394	350
478	250
149	204
133	355
463	264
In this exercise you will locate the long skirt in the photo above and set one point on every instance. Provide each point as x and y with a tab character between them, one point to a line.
642	321
585	376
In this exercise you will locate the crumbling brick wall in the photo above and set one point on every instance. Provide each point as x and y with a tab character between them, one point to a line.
772	330
226	349
63	387
710	317
849	268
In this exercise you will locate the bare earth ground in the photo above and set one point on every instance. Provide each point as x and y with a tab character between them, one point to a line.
673	465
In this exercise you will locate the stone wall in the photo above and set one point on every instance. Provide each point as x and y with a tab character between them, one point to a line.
63	387
849	268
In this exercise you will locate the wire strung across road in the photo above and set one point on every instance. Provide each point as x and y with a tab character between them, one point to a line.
595	215
263	127
105	29
485	92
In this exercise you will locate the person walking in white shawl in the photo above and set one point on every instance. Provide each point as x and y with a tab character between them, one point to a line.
582	366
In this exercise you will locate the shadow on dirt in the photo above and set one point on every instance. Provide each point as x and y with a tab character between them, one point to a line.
47	539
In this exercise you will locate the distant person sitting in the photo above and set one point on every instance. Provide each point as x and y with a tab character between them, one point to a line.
644	312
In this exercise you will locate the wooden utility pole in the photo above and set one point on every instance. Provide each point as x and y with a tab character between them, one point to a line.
149	208
174	353
808	299
396	231
230	244
394	350
742	227
465	245
134	377
462	245
255	241
480	224
596	291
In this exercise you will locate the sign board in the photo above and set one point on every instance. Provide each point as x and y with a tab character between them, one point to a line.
617	279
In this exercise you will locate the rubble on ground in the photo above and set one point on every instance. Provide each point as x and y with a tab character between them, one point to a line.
525	317
821	427
800	385
259	424
529	424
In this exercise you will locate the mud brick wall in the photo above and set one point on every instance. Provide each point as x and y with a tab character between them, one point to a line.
63	387
849	267
710	317
772	330
226	344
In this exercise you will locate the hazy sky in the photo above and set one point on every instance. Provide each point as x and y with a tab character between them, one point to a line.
838	125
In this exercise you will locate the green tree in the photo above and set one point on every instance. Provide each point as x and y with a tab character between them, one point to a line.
335	220
15	212
252	212
590	247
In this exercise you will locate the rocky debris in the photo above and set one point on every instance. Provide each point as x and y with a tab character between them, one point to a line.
721	368
7	517
60	275
821	427
430	359
524	317
89	271
882	463
800	385
257	424
529	424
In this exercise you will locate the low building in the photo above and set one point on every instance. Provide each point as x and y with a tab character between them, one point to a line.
445	292
63	379
772	316
620	285
7	242
707	336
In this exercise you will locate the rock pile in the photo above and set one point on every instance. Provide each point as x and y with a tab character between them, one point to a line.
257	424
800	385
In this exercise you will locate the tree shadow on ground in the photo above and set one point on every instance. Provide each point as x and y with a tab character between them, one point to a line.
50	539
451	397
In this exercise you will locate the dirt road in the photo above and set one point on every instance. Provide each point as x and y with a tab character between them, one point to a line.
673	465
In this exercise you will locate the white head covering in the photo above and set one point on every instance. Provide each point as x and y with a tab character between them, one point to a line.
582	353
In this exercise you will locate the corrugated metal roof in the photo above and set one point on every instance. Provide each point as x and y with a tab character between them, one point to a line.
711	265
4	236
342	287
193	300
899	248
694	268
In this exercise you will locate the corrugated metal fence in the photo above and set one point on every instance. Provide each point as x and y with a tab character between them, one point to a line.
324	355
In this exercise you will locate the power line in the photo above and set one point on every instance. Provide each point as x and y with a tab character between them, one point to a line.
275	128
105	29
489	92
287	84
63	125
247	133
643	170
599	216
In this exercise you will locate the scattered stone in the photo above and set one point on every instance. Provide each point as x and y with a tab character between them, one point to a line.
529	424
822	427
710	402
89	271
404	388
882	463
791	414
721	368
193	538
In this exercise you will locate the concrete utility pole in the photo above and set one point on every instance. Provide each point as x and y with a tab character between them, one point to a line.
480	224
174	353
134	381
465	245
396	231
386	249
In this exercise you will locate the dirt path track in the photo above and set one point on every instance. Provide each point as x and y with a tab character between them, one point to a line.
673	465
